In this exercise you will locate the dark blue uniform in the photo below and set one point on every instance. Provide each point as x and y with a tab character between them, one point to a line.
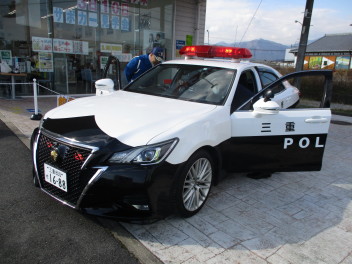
137	66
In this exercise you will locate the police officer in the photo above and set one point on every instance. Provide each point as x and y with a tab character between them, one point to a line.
142	63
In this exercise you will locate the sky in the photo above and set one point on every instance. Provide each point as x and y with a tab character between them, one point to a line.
228	20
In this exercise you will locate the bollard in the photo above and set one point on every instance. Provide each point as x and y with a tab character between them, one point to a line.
36	115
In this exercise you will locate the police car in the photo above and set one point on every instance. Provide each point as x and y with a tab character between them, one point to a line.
157	146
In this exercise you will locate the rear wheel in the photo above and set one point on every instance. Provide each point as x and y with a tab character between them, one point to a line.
194	184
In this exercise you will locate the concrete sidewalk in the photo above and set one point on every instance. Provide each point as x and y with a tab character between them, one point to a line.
295	217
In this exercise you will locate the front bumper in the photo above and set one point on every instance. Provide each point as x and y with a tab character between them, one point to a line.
123	192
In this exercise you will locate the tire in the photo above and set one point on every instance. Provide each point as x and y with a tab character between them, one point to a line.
194	183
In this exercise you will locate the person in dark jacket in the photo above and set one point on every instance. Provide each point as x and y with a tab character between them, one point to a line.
142	63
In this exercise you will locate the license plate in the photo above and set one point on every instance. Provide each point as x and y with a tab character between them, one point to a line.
55	177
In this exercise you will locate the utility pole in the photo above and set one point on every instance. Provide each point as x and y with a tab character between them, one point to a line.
304	35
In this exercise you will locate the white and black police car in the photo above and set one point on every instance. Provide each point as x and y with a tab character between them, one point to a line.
158	145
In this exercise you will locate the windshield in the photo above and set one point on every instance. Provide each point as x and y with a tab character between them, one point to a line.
194	83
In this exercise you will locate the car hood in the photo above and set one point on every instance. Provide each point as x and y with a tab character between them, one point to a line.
132	118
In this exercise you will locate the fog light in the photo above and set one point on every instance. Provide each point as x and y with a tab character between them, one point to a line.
143	207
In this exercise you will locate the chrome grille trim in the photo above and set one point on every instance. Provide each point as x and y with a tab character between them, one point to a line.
68	141
81	179
90	183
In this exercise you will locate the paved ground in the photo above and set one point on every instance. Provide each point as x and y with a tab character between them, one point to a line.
34	229
303	217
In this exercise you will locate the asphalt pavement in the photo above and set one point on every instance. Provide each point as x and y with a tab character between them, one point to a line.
34	229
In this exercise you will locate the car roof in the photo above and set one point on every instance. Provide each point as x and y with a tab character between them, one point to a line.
222	63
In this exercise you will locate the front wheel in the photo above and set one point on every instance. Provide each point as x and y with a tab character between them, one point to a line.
194	184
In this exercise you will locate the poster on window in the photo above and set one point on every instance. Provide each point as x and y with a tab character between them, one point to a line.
80	47
42	44
104	6
45	62
124	9
115	8
93	19
115	22
58	14
70	17
144	2
82	4
82	18
125	23
93	6
6	55
105	22
152	39
103	62
63	46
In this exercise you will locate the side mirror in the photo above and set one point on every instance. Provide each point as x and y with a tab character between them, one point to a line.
104	87
268	96
266	107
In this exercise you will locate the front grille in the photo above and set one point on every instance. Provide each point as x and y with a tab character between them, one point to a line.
68	162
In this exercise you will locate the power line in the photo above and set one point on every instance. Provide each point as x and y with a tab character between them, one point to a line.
250	22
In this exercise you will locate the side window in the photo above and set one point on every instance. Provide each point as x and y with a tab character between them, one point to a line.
267	76
246	88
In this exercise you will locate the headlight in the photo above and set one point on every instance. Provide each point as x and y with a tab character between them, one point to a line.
145	155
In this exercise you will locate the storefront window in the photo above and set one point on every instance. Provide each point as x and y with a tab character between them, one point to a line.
64	44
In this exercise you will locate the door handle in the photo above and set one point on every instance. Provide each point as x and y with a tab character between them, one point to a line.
316	120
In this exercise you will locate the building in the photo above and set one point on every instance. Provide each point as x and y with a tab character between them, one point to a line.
65	43
332	51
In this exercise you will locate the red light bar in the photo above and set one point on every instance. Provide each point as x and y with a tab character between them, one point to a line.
216	52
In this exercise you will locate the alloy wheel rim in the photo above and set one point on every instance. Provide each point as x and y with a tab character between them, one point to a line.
197	184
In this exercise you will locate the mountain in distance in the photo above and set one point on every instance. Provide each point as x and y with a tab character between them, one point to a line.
262	50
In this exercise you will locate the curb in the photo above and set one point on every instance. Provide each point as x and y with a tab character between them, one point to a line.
118	231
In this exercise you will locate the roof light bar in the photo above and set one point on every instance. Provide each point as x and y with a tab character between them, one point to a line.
205	51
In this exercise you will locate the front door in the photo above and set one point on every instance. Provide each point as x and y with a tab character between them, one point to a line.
291	140
280	140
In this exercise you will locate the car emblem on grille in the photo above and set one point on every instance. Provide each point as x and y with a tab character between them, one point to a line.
54	154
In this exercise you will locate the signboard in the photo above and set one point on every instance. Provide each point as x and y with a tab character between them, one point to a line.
98	13
109	48
6	55
180	44
42	44
59	46
189	40
327	62
63	46
45	62
342	62
315	62
103	61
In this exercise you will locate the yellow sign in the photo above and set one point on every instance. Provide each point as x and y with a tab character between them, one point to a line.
108	48
63	99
